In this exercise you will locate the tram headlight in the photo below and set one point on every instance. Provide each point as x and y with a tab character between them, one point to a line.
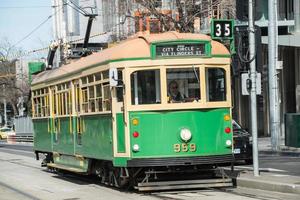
185	134
228	142
136	147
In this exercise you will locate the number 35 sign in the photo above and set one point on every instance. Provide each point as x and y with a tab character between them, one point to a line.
222	29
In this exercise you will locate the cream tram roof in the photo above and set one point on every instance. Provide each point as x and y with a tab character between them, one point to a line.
136	47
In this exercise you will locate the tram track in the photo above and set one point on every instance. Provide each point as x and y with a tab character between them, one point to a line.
165	195
174	194
200	193
94	182
23	194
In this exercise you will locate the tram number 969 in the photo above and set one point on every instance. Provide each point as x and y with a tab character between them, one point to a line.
184	147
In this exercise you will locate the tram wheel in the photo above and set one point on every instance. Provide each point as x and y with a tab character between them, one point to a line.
121	181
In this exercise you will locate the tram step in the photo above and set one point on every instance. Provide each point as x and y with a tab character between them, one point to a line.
186	184
67	168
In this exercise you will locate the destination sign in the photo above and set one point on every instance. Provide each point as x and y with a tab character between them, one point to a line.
180	50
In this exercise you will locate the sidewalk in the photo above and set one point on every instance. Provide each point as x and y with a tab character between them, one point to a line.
264	146
271	178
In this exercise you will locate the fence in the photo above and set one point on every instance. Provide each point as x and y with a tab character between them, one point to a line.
24	131
11	139
23	126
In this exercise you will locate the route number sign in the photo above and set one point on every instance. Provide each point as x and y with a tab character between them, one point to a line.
222	29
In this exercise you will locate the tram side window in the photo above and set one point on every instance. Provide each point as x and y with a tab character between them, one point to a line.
84	99
145	87
64	99
95	93
215	84
41	105
183	85
106	97
98	103
119	89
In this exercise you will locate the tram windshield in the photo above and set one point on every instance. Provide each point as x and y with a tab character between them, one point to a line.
183	85
145	87
216	85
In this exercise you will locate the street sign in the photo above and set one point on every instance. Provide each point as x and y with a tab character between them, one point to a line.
222	29
246	84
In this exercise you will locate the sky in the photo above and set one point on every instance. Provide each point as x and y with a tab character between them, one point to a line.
20	17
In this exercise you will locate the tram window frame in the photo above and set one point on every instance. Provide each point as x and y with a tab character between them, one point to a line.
41	103
220	84
64	99
153	88
188	84
106	97
120	87
84	100
95	98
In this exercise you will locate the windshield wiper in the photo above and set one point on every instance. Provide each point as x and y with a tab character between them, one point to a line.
196	75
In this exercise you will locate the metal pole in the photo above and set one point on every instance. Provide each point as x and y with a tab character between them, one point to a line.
297	16
273	85
253	87
5	113
5	104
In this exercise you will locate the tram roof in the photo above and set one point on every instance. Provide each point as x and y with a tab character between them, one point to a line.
133	48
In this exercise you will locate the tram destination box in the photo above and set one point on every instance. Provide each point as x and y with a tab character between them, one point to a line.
175	50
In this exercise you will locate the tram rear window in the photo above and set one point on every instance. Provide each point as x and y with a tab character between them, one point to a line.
216	84
145	87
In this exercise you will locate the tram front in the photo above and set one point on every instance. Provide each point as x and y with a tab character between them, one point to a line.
176	113
179	115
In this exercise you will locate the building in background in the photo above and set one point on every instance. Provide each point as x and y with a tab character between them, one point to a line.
112	22
288	68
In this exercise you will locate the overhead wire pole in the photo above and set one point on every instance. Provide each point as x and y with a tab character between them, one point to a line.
273	84
253	90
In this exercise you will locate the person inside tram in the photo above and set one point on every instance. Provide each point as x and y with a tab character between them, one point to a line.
173	93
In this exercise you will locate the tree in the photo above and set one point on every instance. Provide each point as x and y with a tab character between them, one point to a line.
181	15
13	84
176	15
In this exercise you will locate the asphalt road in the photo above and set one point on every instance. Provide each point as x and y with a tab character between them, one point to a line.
287	163
22	177
283	164
25	150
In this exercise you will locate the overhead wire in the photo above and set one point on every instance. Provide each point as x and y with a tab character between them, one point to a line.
78	8
22	7
41	24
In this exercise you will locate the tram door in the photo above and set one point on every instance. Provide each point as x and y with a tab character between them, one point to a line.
77	121
119	109
53	121
63	135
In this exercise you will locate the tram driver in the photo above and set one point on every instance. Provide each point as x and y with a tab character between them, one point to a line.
174	94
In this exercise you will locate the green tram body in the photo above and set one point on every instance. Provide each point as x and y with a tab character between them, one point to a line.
92	142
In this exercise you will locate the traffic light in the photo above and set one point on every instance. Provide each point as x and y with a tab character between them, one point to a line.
242	9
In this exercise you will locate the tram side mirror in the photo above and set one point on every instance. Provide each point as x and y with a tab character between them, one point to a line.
113	77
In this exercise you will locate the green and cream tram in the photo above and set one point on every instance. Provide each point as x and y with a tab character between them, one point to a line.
151	104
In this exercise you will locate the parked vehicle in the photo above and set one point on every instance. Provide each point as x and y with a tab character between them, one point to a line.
5	131
242	141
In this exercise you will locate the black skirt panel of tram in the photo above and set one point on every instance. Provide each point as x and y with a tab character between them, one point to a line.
180	161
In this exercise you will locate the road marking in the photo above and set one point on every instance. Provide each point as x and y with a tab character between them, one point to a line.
260	169
279	175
